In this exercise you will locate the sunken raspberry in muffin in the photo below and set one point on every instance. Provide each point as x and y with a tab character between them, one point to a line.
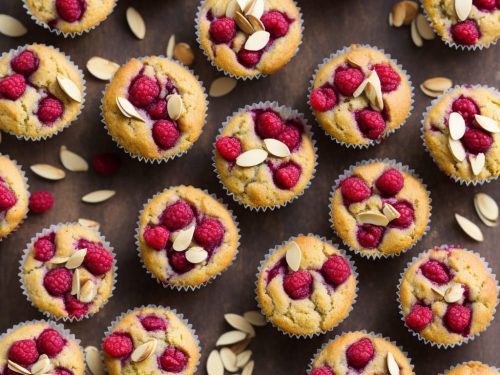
159	130
257	40
311	295
447	296
68	271
208	243
360	95
33	105
379	208
171	343
472	368
265	156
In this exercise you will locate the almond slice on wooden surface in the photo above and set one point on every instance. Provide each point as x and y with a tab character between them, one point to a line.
175	106
415	36
98	196
128	109
276	148
76	259
477	163
93	360
454	293
463	9
457	149
240	323
481	208
398	14
11	26
243	358
488	124
228	359
196	255
144	351
222	86
293	256
248	369
257	41
11	365
456	125
390	212
170	46
240	346
471	229
487	206
430	93
251	158
136	23
255	318
243	23
88	291
184	53
69	87
411	11
89	223
438	84
231	337
214	364
183	239
48	172
75	284
72	161
392	365
373	217
102	68
424	29
390	19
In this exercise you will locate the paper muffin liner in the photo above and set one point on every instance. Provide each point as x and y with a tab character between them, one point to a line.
497	369
167	158
395	164
272	251
286	112
400	307
371	142
459	180
372	334
185	287
26	252
232	75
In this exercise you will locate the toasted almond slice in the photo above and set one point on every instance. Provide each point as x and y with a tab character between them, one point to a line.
357	59
136	23
457	149
72	161
98	196
256	23
170	46
214	364
238	347
75	284
454	293
488	124
17	368
251	158
477	163
88	291
89	223
438	290
144	351
361	88
243	23
48	172
276	148
93	360
175	106
69	87
231	337
293	256
432	94
456	124
196	255
424	29
222	86
183	239
102	68
58	260
487	206
128	109
243	4
411	10
243	358
248	369
471	229
390	212
184	53
76	259
255	8
373	91
228	359
240	323
438	84
392	365
257	41
41	366
232	8
373	217
11	26
255	318
463	9
415	36
398	14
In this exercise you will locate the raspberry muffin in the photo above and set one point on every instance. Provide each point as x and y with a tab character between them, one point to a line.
361	353
359	96
265	155
186	237
447	296
257	40
472	368
468	152
150	340
33	105
13	196
380	208
43	346
154	108
306	286
68	271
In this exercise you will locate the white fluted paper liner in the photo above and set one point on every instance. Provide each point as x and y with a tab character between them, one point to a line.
497	369
399	166
276	248
232	75
167	158
457	179
400	307
371	142
185	287
371	333
285	112
26	252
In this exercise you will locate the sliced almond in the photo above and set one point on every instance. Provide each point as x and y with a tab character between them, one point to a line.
11	26
240	346
17	368
390	212
372	217
128	109
248	369
477	163
457	149
175	106
144	351
170	46
102	68
89	223
183	239
243	23
438	84
136	23
456	124
471	229
257	41
255	8
196	255
438	290
463	9
424	29
240	323
228	359
48	172
243	358
255	318
415	36
373	91
488	124
361	88
222	86
357	59
430	93
42	366
392	365
487	206
70	88
411	10
454	293
93	360
88	291
251	158
231	337
276	148
58	260
75	284
98	196
391	21
256	23
184	53
398	14
232	8
72	161
76	259
214	364
243	4
293	256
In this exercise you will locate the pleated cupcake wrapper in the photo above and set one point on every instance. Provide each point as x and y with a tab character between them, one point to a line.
16	51
232	75
371	334
28	249
497	369
276	248
285	112
167	158
400	307
184	287
392	163
371	142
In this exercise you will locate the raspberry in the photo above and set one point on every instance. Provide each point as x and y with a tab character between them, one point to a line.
419	317
156	237
25	63
298	285
178	215
485	5
173	360
50	342
360	353
228	147
49	110
390	182
407	215
323	99
44	249
158	109
165	134
389	78
118	345
209	233
12	87
369	235
223	30
465	32
7	198
436	272
62	371
354	189
336	270
106	163
41	201
269	125
347	80
276	23
179	262
467	108
58	281
143	91
249	59
371	123
24	352
476	141
457	318
153	323
287	176
290	136
322	371
74	307
70	10
98	260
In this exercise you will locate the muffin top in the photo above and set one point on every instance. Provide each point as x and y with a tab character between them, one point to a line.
379	208
448	295
361	353
461	132
265	155
68	271
259	39
360	96
472	368
306	286
154	108
42	346
33	104
149	340
186	237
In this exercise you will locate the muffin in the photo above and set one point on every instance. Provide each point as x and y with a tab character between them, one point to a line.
359	96
447	296
468	148
361	353
13	196
33	103
149	340
265	155
186	237
306	286
472	368
68	271
251	42
43	346
154	108
380	208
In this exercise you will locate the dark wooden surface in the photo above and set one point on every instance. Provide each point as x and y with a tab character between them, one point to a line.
329	25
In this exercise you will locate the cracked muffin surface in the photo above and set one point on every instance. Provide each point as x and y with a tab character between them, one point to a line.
472	368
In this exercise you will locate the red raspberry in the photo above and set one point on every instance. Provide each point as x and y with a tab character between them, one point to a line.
23	352
476	140
407	215
457	318
298	285
153	323
269	125
49	110
50	342
7	198
12	87
465	32
209	233
228	147
389	78
347	80
62	371
44	249
336	270
287	176
276	23
179	262
158	109
369	235
41	201
156	237
98	260
354	189
178	215
143	91
165	134
118	345
70	10
485	5
25	63
322	371
106	163
419	317
223	30
467	108
371	123
173	360
290	136
74	307
436	272
390	182
249	59
360	353
323	99
58	281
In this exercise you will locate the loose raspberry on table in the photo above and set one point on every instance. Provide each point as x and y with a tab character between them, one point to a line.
41	201
336	270
436	272
178	215
153	323
371	123
70	10
322	371
419	317
228	147
390	182
347	80
50	342
466	107
323	99
7	197
23	352
49	110
458	318
476	140
173	360
58	281
465	32
74	307
143	91
12	87
209	233
106	163
223	30
44	249
98	260
269	125
354	189
485	5
118	345
179	262
407	215
389	78
275	23
290	136
25	63
249	59
156	237
369	235
360	353
165	134
298	285
287	176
